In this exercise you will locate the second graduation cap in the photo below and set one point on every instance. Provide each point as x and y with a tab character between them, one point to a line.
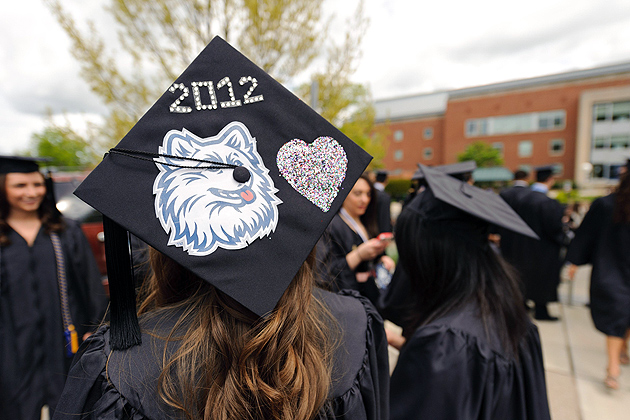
463	200
230	175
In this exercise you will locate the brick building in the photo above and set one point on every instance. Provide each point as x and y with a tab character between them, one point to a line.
578	121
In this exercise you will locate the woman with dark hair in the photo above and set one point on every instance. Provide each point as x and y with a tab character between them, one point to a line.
471	351
50	291
349	250
603	240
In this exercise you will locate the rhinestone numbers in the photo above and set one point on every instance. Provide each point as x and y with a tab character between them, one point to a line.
214	103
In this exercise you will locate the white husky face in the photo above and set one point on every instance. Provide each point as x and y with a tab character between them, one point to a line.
203	209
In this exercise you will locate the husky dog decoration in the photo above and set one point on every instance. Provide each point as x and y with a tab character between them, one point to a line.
206	209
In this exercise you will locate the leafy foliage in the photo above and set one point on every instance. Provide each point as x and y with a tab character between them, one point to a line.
159	38
345	104
483	154
398	189
67	150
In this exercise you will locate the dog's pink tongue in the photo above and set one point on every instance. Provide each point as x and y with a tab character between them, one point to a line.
247	195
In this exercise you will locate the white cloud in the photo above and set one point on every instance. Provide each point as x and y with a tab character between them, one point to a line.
411	47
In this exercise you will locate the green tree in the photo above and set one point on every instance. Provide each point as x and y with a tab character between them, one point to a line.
67	150
159	38
483	154
346	104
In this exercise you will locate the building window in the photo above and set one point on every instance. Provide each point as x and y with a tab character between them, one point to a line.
398	155
398	135
476	127
428	133
621	111
600	143
611	111
556	147
620	142
427	153
518	123
525	148
602	112
499	146
598	171
558	169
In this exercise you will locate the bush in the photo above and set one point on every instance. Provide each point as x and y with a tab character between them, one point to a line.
398	188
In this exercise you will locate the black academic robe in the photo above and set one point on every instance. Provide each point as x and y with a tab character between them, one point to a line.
605	245
383	213
451	369
123	384
34	362
396	301
336	242
538	262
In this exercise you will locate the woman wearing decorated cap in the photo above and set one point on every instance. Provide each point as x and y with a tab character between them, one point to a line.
471	351
231	185
350	250
51	296
603	240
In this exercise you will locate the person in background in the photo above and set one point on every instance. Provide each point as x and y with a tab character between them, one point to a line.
349	250
471	351
394	303
51	296
383	202
538	262
603	240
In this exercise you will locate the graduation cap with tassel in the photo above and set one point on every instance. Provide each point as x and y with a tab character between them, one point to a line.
230	175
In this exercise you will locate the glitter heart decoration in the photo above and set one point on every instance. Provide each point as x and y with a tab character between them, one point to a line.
316	171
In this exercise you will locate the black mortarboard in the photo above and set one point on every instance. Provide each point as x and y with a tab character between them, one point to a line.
465	206
20	164
544	172
25	165
454	169
230	175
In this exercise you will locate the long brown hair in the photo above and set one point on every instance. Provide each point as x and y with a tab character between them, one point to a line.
48	215
231	364
621	212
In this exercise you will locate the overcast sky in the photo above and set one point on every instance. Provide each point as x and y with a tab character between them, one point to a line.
411	46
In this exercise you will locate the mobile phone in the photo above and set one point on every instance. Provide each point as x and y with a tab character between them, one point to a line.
385	236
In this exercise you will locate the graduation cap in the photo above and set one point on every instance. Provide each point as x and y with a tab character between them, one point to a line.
381	176
20	164
544	172
457	170
230	175
464	207
26	165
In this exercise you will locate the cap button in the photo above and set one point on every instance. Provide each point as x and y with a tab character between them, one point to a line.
241	174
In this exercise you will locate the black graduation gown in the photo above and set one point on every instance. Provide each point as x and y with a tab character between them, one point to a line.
124	386
449	369
396	301
336	242
605	245
537	261
34	363
384	218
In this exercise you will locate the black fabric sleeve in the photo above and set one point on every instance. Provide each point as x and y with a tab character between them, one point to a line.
583	244
85	279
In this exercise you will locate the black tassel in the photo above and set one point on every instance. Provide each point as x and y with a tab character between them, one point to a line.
124	329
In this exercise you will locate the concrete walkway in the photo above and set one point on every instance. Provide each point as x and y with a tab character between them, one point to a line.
575	360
